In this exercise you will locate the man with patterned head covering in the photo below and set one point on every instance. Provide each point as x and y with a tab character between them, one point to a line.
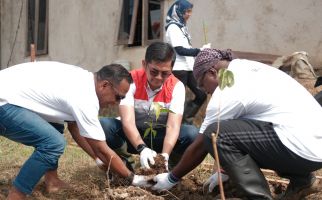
261	126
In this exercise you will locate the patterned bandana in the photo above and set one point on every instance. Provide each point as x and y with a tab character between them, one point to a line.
175	16
207	58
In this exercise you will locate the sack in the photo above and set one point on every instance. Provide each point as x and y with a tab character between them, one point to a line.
298	63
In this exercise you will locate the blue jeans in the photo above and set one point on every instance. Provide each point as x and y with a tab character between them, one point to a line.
24	126
115	136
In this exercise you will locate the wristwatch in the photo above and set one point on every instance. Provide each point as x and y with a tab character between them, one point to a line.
140	147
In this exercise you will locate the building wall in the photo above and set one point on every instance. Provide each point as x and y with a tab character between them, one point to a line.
278	27
83	32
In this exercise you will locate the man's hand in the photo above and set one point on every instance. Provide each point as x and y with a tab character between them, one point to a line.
147	155
141	181
213	180
166	158
163	182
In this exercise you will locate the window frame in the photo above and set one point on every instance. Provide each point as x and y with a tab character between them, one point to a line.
43	51
144	31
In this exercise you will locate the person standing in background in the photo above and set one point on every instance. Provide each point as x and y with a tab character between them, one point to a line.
177	35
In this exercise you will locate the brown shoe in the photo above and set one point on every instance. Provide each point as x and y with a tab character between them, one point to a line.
296	193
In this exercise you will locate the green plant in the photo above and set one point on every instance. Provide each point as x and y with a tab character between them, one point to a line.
158	109
225	79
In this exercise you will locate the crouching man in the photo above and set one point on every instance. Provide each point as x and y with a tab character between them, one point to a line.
267	120
35	95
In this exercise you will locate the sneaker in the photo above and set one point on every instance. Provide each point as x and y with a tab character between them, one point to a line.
296	193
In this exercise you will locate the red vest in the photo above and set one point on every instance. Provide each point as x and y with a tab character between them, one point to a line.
142	103
140	80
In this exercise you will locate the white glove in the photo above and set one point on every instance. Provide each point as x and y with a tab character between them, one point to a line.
147	156
166	158
162	182
205	46
100	164
213	180
141	181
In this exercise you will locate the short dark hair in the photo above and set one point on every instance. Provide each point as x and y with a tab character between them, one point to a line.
114	73
160	52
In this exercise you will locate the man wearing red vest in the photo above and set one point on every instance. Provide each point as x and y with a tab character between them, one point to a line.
153	82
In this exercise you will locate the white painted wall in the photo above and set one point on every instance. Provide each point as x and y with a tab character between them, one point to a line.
83	32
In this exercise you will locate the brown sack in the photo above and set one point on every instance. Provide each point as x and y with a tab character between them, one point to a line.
298	65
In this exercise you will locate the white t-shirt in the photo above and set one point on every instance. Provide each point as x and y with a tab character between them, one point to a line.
57	92
175	37
265	93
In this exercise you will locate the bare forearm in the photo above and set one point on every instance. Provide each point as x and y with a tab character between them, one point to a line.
81	141
133	135
109	157
191	158
170	139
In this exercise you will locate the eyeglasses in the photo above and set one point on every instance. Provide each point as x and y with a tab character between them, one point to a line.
117	96
153	72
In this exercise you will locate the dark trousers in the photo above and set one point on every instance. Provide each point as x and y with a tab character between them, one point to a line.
258	139
187	78
115	136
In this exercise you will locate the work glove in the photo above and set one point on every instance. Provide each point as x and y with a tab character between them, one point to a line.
163	182
147	156
213	181
205	46
166	158
141	181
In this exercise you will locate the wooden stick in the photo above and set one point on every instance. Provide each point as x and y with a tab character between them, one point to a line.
265	171
277	180
221	187
204	31
32	53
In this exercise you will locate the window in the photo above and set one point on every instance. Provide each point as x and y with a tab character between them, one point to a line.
37	26
141	22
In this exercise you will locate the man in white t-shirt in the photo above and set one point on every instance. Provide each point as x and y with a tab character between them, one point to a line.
34	95
153	83
267	120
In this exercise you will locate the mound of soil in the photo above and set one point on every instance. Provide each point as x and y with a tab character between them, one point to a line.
158	168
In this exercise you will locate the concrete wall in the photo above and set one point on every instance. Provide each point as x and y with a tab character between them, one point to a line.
273	26
83	32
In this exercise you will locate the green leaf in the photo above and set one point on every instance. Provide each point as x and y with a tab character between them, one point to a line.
221	83
230	78
225	78
147	132
154	133
166	110
157	108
